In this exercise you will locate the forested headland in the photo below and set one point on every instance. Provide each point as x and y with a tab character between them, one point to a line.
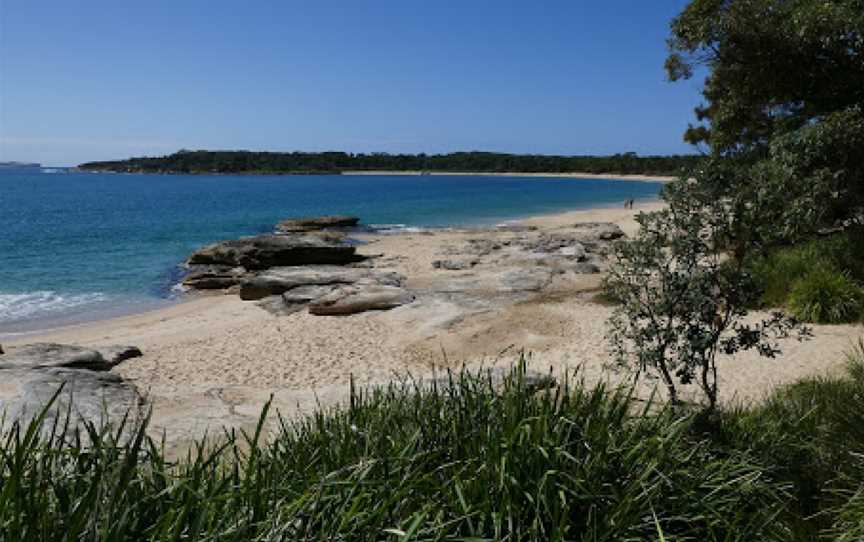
336	162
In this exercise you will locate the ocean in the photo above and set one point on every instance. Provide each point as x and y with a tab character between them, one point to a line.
83	246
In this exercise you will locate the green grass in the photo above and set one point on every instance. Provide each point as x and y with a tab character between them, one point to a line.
826	296
462	460
818	281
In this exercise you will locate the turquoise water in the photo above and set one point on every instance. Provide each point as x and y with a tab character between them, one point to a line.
75	246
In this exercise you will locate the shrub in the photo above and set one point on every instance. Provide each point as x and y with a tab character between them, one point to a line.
777	272
826	296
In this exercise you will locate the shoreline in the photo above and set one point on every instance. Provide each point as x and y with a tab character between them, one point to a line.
409	173
132	324
52	324
564	175
213	361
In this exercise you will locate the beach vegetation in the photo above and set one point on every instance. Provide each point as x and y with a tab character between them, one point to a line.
783	123
826	270
783	87
460	458
684	292
826	296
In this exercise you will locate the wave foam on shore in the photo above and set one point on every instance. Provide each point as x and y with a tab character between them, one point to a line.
23	306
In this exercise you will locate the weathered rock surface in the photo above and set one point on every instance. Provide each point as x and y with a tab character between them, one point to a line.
30	375
604	231
293	225
345	300
265	251
51	355
526	280
214	277
279	280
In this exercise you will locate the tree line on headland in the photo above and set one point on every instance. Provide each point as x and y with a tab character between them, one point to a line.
202	161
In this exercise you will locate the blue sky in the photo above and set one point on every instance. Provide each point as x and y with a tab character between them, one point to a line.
99	79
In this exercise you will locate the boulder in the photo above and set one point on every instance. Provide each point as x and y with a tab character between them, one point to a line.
293	225
356	298
214	277
89	396
276	281
602	231
265	251
48	355
30	376
116	355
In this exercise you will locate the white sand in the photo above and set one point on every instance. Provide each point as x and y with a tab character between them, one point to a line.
217	345
573	175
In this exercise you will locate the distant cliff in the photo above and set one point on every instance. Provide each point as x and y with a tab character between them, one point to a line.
336	162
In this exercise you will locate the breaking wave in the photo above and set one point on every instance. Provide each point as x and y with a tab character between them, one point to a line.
15	307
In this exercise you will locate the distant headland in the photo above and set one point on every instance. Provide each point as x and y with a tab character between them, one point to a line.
248	162
18	165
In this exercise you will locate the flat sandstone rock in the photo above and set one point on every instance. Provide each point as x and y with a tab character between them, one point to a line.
31	375
360	298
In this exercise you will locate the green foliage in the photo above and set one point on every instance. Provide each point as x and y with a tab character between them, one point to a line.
457	460
775	65
826	296
463	459
785	89
334	162
682	300
822	269
810	434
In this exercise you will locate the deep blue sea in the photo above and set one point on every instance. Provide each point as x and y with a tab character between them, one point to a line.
77	246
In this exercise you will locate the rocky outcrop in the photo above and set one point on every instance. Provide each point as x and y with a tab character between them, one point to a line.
31	375
306	261
265	251
52	355
602	231
214	277
279	280
356	298
580	249
294	225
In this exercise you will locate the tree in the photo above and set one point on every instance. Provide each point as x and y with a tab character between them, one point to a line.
784	122
785	83
684	293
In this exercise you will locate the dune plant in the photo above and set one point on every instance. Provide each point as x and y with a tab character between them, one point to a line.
781	269
826	296
462	458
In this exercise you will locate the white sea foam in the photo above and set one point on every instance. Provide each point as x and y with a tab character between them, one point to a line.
15	307
396	228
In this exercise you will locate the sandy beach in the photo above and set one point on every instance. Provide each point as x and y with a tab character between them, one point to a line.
571	175
215	359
